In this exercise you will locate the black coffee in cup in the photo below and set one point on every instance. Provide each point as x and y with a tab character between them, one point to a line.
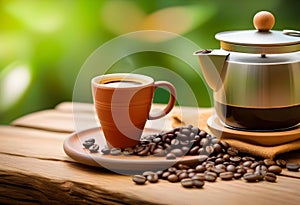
122	83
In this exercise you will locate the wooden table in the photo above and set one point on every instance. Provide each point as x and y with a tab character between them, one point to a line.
35	169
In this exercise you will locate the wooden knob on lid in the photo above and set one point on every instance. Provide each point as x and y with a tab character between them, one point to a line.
263	21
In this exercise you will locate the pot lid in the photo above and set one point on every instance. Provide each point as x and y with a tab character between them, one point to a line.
261	41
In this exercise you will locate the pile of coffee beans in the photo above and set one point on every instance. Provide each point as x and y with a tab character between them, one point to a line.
216	159
172	144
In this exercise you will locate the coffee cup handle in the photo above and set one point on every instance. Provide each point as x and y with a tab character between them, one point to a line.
171	102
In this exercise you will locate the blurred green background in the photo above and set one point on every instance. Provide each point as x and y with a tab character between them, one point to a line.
44	43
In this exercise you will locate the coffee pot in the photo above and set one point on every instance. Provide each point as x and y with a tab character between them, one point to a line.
255	76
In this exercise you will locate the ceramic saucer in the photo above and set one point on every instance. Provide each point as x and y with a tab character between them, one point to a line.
122	164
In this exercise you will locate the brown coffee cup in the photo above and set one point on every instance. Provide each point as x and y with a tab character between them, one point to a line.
122	102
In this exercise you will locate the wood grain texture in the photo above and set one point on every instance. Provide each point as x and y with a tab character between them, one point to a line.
35	170
73	184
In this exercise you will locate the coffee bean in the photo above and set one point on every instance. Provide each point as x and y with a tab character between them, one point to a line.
172	170
186	131
152	178
144	152
235	159
200	168
226	157
138	148
254	165
230	168
152	147
294	167
185	149
139	179
177	152
194	150
94	148
183	166
146	173
281	163
251	177
269	162
187	183
226	175
175	142
237	175
209	149
202	158
170	156
198	183
156	140
210	176
182	176
217	171
105	150
275	169
220	166
158	152
270	177
195	130
217	148
159	173
173	178
261	169
88	143
128	151
165	175
199	176
247	158
204	142
232	151
247	163
115	151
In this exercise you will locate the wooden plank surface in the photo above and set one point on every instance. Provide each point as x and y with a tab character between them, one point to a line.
32	158
88	184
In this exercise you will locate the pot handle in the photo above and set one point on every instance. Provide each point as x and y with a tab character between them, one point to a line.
291	32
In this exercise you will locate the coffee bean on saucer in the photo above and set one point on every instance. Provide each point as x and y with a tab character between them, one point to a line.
139	179
88	143
128	151
294	167
171	156
177	152
105	150
115	151
94	148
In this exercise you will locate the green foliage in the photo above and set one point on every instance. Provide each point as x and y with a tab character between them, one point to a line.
44	43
